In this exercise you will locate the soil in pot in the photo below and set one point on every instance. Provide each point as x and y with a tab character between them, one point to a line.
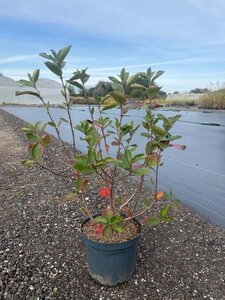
130	229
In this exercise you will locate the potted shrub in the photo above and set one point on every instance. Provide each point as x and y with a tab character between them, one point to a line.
111	234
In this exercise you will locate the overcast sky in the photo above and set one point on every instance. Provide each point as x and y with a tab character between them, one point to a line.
185	38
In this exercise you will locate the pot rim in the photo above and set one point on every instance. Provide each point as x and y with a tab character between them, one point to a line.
137	236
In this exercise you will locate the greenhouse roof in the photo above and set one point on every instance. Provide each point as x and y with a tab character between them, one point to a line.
6	81
42	83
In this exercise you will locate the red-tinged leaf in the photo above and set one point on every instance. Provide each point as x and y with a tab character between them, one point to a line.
178	146
75	173
107	211
68	197
129	212
157	105
97	124
136	166
83	185
132	104
115	142
152	221
45	139
159	196
99	154
100	229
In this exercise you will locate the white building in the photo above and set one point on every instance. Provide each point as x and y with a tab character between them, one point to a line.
49	89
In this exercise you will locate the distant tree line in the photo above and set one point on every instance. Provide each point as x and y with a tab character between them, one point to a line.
103	88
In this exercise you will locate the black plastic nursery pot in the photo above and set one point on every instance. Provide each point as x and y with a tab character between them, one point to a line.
110	264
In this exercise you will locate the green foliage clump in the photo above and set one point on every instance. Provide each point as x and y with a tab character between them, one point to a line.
109	141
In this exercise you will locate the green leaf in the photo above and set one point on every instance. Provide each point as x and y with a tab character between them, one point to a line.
128	155
175	137
76	84
55	55
140	171
25	82
85	169
117	228
158	131
122	164
114	79
62	120
36	152
153	162
75	77
167	219
19	93
78	184
116	219
45	55
104	161
35	75
152	221
164	211
28	163
125	129
153	91
26	129
158	73
52	124
138	157
101	220
54	68
109	104
145	134
119	97
33	137
63	52
107	231
173	120
117	87
138	86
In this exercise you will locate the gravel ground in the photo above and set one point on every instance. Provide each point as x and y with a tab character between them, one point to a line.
43	257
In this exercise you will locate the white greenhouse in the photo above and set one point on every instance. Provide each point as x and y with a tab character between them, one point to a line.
49	89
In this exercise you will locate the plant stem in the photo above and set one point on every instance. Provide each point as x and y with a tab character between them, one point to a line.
69	114
86	208
129	199
157	172
141	213
52	120
119	134
50	170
